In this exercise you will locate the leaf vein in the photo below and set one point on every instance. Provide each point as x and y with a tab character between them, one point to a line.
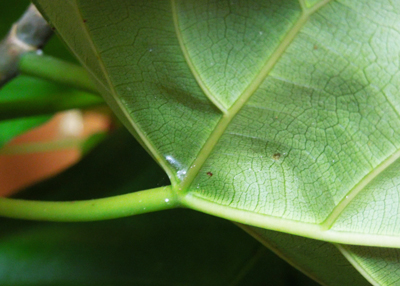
189	62
344	203
112	90
245	96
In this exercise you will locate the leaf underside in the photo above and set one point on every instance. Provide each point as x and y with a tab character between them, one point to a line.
277	114
333	264
321	260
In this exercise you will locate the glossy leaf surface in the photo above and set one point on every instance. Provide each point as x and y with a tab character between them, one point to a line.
277	114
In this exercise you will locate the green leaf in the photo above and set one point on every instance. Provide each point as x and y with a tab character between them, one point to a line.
332	264
155	249
144	250
26	96
27	102
379	265
8	16
178	247
320	260
12	128
278	114
92	142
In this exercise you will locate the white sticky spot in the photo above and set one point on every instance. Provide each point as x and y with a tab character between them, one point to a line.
39	52
181	174
150	50
260	32
166	200
181	171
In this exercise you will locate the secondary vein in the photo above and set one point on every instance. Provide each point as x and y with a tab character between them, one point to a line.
343	204
243	98
194	71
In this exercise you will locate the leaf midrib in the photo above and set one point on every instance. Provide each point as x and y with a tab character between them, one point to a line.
230	113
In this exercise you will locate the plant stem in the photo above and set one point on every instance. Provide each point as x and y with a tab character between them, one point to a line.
38	147
91	210
56	70
30	106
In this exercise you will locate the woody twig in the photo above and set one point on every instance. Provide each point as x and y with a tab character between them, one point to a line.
29	33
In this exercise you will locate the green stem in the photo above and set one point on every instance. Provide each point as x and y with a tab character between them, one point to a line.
91	210
56	70
39	147
60	101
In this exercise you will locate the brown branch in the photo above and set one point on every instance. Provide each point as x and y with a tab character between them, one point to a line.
30	33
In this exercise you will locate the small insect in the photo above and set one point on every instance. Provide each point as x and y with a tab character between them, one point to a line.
84	20
210	174
276	156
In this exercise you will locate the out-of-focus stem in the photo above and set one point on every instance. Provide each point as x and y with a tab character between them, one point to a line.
56	70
